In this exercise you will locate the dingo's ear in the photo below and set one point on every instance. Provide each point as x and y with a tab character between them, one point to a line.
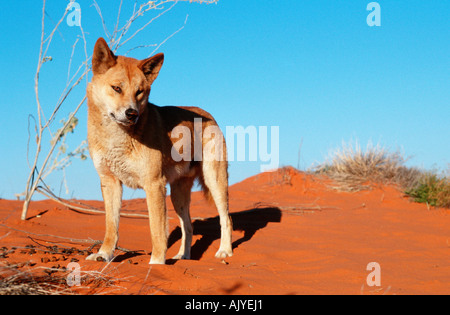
103	58
151	66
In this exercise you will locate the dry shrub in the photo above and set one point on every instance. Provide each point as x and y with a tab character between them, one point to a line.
353	169
432	189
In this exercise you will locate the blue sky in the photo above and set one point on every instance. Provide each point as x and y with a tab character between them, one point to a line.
313	68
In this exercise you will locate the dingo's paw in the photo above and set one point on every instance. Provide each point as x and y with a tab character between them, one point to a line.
157	261
99	257
181	256
224	253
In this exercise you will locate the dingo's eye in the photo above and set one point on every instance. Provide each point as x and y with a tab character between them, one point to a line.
139	92
117	89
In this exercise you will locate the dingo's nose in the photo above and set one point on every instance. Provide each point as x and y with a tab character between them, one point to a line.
131	114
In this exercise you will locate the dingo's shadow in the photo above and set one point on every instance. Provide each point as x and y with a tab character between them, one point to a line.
248	221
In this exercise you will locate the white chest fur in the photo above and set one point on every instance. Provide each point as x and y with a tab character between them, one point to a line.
122	160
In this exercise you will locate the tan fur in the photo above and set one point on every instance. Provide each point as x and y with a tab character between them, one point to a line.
134	148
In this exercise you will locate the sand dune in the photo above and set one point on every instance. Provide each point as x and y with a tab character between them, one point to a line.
292	234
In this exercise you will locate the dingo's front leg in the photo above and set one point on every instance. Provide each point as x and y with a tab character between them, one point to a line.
157	211
180	193
112	196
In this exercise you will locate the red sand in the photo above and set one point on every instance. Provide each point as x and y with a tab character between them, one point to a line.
292	235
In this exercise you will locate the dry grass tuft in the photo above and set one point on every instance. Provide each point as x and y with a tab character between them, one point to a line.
53	281
353	169
15	282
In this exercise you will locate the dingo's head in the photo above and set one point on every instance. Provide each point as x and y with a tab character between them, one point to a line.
121	85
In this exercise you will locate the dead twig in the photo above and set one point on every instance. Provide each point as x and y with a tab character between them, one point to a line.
71	206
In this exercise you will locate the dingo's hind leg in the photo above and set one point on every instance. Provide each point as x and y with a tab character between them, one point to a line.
215	178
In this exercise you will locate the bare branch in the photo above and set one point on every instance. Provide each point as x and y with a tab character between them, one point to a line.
99	11
173	34
72	206
145	25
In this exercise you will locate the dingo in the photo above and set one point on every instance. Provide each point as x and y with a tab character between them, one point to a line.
130	142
